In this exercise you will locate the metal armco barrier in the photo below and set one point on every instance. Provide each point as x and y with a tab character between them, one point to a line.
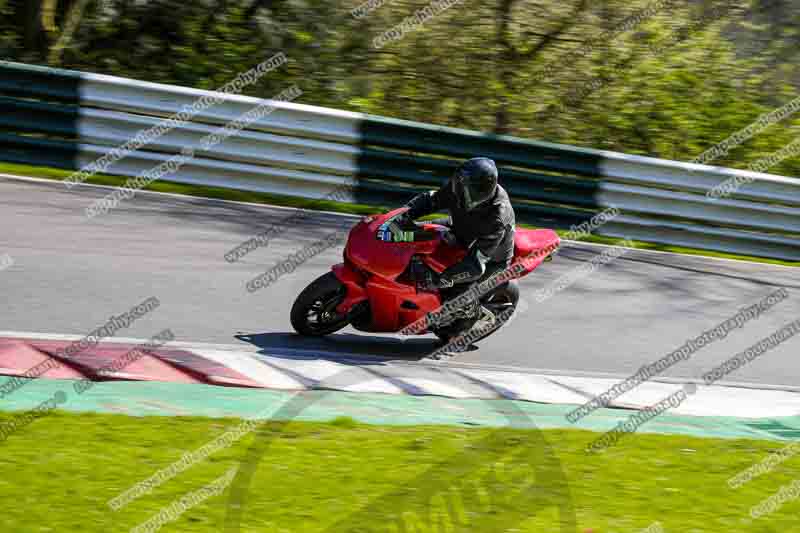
69	119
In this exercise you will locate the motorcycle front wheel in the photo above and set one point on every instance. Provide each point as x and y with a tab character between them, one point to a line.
314	311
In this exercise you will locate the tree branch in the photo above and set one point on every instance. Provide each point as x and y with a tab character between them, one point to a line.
550	37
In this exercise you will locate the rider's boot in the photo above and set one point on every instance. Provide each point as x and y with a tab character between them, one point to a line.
463	342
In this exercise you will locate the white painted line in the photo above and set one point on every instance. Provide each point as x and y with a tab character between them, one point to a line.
355	358
250	366
471	381
646	394
434	387
531	388
330	375
711	400
125	376
244	347
728	401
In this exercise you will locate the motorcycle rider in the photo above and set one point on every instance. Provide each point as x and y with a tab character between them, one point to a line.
481	220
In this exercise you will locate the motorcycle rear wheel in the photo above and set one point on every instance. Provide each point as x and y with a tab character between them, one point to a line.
314	311
502	301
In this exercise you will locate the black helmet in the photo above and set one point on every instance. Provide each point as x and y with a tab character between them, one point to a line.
475	182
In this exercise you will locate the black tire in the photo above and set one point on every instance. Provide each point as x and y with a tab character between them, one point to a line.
503	303
320	299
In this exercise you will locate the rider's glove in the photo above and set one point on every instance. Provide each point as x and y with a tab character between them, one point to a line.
404	220
449	238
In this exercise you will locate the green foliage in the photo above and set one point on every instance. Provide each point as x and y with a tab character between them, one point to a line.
669	83
59	472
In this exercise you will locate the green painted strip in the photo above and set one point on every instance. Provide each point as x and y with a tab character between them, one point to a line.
440	140
19	79
39	117
36	151
172	399
385	165
552	216
392	195
55	120
777	428
423	156
370	192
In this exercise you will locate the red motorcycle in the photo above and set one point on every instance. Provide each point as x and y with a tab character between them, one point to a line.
382	286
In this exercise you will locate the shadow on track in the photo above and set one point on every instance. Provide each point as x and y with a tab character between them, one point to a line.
363	348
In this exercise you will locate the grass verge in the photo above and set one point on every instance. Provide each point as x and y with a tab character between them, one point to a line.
338	207
58	473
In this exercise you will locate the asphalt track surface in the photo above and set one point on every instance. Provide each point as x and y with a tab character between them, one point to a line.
71	273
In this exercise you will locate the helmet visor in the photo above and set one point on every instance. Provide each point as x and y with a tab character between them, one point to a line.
471	192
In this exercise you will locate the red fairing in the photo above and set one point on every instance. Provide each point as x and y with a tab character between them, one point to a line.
372	269
531	247
386	259
386	298
354	282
